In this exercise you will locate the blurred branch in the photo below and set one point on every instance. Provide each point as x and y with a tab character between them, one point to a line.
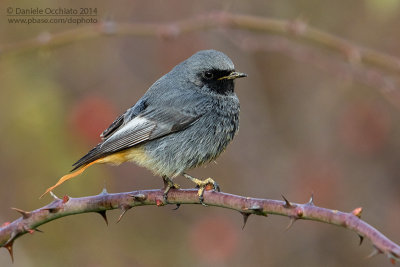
369	76
297	28
364	65
29	221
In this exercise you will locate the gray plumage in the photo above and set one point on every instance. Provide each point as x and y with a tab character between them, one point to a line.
185	119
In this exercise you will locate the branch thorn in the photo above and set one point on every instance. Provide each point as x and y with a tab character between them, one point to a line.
374	252
104	191
54	195
124	209
9	247
104	215
361	239
245	218
311	201
291	222
122	215
357	212
25	214
287	203
177	206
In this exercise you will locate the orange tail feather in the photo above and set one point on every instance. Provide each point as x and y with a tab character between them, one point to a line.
70	176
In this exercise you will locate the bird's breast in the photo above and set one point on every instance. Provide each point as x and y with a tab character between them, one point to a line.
201	142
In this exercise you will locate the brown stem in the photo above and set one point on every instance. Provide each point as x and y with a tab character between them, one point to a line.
29	221
298	29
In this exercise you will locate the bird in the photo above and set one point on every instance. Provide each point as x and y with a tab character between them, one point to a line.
185	119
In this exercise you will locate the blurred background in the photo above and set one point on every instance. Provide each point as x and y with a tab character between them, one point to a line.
309	124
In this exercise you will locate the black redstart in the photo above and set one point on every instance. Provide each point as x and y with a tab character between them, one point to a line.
185	119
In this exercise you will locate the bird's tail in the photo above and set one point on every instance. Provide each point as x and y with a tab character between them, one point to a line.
70	176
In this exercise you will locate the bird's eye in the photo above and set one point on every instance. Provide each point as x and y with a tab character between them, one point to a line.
208	75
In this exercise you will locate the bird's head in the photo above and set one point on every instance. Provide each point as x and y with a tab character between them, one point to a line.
211	71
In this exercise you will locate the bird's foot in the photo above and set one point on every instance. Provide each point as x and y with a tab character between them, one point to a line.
203	185
168	185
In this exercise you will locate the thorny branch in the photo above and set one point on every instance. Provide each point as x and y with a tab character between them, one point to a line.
297	30
30	221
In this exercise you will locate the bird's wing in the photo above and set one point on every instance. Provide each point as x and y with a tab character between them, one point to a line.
147	125
131	113
113	127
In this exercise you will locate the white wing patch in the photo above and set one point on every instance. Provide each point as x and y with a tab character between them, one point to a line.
135	131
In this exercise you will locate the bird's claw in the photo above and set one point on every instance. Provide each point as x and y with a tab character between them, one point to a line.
202	185
168	185
216	187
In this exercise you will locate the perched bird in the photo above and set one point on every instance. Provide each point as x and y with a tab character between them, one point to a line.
185	119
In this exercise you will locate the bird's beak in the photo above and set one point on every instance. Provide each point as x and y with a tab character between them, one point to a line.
233	75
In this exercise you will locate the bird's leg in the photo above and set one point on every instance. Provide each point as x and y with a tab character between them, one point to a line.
168	184
202	185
